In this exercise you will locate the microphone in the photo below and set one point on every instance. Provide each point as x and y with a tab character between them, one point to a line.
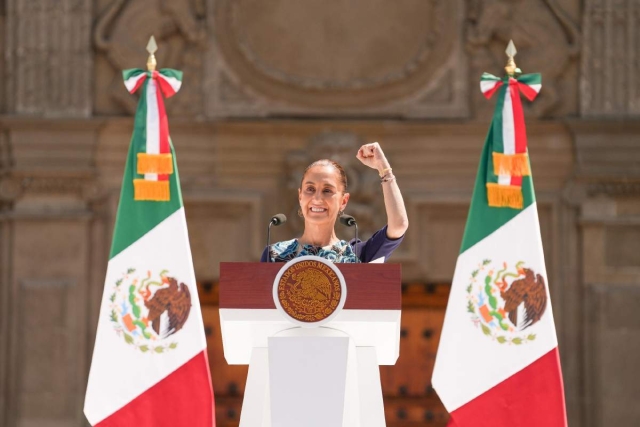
277	219
350	221
347	220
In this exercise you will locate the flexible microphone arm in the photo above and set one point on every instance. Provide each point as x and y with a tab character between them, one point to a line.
276	220
350	221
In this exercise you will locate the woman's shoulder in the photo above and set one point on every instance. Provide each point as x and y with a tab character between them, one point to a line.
280	251
280	247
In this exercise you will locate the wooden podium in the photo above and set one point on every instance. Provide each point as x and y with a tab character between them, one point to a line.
324	376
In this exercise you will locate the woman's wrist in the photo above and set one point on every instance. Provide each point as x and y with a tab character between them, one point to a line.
383	171
388	176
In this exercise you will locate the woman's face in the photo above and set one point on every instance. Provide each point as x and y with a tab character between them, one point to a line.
322	195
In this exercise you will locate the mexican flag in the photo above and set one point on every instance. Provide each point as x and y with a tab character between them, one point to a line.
150	364
497	362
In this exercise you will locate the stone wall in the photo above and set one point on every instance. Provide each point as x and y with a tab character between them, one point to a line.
269	86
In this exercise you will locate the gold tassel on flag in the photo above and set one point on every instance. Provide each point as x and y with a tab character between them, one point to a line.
511	164
508	141
151	190
155	163
505	195
153	160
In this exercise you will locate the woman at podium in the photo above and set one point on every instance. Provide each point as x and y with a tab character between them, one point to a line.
323	198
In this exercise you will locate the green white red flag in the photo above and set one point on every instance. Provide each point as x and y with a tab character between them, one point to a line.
497	363
149	365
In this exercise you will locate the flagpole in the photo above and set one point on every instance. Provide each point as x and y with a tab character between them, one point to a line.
152	47
511	68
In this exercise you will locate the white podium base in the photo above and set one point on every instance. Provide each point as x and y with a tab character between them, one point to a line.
245	329
313	377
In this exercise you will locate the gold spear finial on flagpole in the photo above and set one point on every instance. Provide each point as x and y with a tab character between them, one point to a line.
151	48
511	67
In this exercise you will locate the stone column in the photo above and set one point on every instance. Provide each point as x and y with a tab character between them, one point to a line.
609	230
50	244
610	85
49	59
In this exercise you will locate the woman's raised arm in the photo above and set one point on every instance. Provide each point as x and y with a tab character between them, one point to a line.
397	222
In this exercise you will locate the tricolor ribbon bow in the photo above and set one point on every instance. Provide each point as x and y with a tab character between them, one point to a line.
151	142
508	138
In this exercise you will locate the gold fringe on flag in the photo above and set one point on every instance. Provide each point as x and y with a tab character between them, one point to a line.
501	196
155	163
151	190
511	164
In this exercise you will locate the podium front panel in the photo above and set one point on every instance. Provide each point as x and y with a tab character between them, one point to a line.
371	315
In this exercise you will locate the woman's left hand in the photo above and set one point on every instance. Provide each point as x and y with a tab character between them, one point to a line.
371	155
397	221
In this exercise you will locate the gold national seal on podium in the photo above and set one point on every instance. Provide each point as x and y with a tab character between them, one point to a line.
309	290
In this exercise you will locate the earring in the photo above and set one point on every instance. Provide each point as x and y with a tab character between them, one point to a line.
300	213
340	213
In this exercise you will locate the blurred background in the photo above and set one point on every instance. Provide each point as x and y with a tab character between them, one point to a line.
270	86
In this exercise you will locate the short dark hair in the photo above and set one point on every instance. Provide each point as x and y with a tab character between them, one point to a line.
328	162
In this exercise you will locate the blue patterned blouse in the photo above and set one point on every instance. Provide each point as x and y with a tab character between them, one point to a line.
379	245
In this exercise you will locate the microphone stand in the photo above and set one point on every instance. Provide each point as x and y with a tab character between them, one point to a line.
356	251
350	221
277	219
269	239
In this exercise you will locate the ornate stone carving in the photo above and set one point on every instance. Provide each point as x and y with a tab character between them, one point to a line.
546	38
122	33
365	204
610	59
227	97
13	187
49	61
622	188
357	58
326	69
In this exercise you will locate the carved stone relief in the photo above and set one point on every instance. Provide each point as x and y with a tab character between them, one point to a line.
615	188
49	59
610	59
548	42
46	159
121	35
49	195
226	95
365	203
291	57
